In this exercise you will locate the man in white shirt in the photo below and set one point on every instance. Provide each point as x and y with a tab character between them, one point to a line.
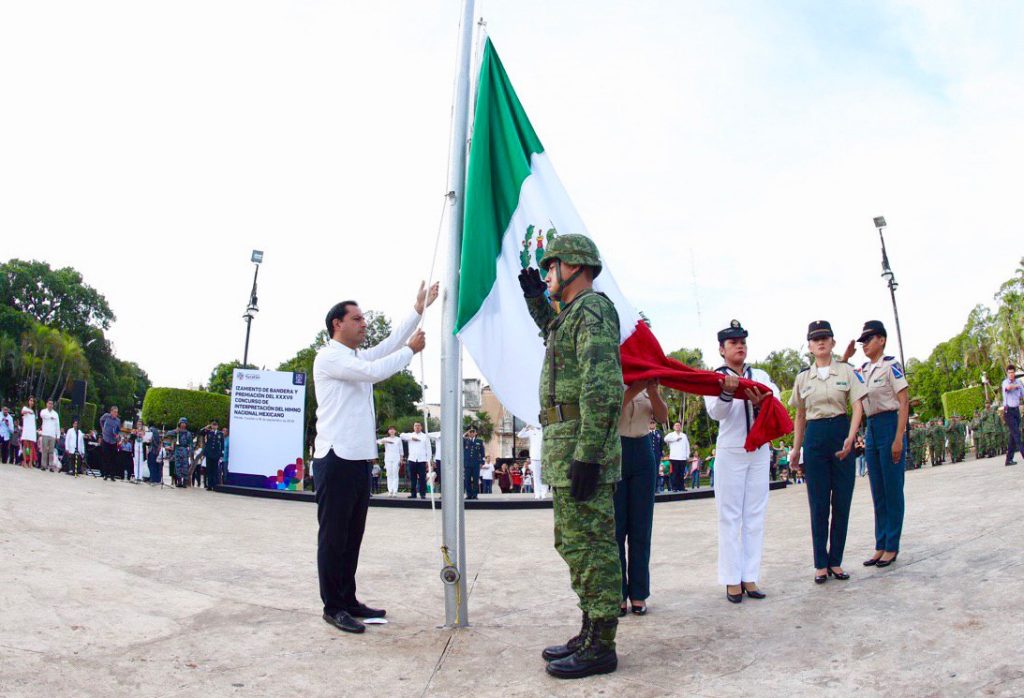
420	454
343	377
49	430
678	455
486	477
536	437
392	444
74	446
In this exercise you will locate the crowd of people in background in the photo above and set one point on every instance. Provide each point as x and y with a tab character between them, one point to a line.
118	450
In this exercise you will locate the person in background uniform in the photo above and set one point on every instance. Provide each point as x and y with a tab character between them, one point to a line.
473	458
581	400
937	442
155	457
1013	391
887	406
956	432
213	450
634	493
821	395
657	442
741	478
392	444
918	444
181	445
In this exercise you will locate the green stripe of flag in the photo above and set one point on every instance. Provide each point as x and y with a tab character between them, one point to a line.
499	162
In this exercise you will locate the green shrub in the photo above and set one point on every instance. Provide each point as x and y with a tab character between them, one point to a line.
785	396
163	407
86	419
963	403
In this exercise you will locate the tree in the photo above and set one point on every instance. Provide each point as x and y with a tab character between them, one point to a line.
689	409
57	298
782	366
222	375
482	422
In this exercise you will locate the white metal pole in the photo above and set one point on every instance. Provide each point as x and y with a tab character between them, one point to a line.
452	507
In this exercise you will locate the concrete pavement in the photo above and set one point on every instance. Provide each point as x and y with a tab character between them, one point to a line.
110	589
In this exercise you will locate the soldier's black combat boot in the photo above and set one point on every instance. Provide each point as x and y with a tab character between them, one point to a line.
560	651
595	656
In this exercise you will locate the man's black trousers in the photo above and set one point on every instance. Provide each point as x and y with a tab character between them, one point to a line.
342	498
108	459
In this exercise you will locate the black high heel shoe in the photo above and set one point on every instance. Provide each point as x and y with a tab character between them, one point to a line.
734	598
837	575
753	593
886	563
821	578
872	561
639	610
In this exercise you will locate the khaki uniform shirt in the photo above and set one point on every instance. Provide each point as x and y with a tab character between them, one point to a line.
829	397
883	384
636	415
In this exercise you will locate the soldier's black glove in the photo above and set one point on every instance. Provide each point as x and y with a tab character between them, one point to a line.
530	281
583	479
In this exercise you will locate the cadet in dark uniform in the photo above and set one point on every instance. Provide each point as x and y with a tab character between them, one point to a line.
887	406
821	394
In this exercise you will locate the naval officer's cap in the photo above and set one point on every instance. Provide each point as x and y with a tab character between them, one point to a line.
733	331
819	329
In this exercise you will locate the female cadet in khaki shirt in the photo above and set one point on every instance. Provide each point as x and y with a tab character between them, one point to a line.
821	395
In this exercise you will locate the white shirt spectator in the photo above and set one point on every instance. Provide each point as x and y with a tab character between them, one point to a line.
678	445
49	423
487	471
343	379
392	448
536	437
28	424
74	442
419	446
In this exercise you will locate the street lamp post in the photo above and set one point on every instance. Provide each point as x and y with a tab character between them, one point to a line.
890	280
252	308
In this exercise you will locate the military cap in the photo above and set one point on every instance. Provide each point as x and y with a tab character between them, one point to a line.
183	420
578	250
871	328
733	331
819	329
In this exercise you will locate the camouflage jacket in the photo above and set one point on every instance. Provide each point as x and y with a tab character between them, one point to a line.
581	367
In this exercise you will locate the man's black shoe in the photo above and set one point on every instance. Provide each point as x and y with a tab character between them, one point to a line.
1011	462
343	621
411	496
364	611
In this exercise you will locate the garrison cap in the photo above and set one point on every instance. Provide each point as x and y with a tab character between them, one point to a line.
819	329
733	331
578	250
871	328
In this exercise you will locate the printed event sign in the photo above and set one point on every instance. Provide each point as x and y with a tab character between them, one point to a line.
267	418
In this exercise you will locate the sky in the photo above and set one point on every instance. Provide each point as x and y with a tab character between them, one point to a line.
728	158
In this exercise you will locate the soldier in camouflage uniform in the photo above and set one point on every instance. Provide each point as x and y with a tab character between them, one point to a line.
917	445
581	398
957	434
976	434
937	442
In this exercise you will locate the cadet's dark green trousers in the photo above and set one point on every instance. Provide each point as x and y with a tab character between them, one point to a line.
585	538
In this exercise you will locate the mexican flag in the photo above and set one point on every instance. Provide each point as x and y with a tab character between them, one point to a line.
514	206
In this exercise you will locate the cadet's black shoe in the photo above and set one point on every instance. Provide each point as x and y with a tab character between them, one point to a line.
595	656
886	563
1010	462
361	610
559	651
734	598
343	621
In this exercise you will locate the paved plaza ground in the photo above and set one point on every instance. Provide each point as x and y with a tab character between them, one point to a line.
113	589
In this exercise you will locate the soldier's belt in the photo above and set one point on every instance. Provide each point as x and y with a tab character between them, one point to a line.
559	413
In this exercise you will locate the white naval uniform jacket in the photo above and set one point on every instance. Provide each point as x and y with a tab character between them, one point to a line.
735	417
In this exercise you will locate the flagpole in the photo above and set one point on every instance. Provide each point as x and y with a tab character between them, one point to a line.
456	610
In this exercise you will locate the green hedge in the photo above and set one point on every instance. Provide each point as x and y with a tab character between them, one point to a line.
163	407
963	403
86	419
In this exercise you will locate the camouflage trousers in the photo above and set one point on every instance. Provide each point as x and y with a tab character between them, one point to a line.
585	538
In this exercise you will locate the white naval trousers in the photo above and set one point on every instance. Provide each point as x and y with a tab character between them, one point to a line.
741	497
391	469
540	490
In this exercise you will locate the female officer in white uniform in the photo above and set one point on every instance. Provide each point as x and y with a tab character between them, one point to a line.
887	406
821	394
741	478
